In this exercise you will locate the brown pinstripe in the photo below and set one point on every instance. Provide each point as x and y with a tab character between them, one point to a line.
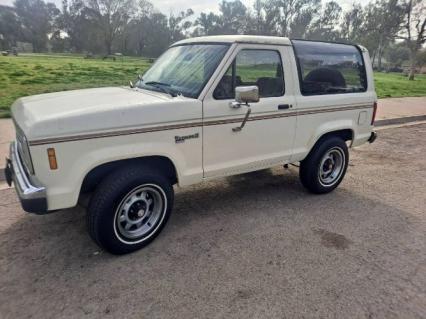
193	124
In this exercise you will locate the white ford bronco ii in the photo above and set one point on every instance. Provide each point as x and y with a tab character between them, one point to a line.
208	107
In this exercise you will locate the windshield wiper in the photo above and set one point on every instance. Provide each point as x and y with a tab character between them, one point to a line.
161	86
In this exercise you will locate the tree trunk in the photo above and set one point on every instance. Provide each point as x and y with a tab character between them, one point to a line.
379	55
108	45
412	69
412	64
373	58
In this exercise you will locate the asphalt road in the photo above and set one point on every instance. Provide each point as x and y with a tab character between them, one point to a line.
251	246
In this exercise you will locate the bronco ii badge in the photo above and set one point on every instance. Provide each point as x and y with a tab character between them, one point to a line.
181	139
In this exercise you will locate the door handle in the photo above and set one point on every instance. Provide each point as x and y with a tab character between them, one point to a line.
284	106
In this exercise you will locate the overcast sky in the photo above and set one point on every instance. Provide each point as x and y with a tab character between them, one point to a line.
167	6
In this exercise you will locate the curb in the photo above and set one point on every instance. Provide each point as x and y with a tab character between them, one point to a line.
399	120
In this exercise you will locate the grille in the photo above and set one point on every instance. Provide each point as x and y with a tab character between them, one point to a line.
23	150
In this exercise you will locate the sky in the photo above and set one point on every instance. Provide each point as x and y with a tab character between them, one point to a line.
167	6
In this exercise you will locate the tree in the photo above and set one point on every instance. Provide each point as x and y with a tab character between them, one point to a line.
207	24
397	54
10	28
301	24
258	17
36	18
82	32
272	16
147	33
324	27
414	34
263	18
289	10
351	26
138	27
382	22
233	17
179	24
421	58
111	17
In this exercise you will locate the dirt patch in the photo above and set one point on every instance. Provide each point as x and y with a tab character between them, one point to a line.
333	240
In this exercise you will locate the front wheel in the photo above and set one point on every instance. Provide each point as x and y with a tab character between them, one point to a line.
129	209
325	166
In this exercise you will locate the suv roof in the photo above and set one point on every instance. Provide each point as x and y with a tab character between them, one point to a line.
237	39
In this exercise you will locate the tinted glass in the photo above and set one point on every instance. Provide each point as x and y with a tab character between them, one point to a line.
253	67
184	69
329	68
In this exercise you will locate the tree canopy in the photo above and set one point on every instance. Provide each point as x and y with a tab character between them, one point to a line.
136	27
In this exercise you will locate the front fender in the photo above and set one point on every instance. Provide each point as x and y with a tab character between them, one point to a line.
77	158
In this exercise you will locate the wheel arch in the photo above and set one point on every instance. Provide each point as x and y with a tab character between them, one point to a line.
95	175
346	134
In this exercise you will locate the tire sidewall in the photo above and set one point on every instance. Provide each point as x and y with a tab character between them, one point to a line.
310	167
105	224
342	171
152	232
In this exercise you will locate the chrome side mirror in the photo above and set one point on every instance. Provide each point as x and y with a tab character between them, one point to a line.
243	96
247	94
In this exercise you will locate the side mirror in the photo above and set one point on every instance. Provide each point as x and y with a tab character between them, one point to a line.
247	94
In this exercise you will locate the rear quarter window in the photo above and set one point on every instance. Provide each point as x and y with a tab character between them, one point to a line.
329	68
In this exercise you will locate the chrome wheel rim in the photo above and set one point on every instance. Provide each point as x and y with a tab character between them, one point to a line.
331	166
140	213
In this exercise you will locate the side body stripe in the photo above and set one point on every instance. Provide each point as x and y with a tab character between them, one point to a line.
212	122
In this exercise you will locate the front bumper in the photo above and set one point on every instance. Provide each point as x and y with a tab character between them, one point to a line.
30	192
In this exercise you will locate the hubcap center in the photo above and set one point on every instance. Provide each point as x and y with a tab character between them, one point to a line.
141	212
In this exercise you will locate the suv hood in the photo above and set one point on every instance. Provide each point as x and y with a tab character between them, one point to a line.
92	110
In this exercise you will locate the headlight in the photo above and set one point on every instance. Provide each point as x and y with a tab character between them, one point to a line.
24	150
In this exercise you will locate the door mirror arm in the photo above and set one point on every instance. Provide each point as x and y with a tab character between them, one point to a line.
237	105
239	128
243	96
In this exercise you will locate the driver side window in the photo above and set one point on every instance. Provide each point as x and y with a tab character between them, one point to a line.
262	68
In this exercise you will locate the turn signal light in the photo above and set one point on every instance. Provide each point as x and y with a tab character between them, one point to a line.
52	158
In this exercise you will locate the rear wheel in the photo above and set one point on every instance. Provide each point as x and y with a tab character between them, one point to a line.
325	166
129	209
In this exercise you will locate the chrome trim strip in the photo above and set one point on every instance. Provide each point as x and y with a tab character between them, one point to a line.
26	188
195	124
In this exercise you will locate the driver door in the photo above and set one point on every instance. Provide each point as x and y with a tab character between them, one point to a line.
267	137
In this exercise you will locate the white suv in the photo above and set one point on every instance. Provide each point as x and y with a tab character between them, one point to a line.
209	107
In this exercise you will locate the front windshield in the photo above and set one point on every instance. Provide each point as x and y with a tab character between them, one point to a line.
183	69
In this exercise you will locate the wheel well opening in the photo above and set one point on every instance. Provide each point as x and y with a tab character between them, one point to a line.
97	174
346	135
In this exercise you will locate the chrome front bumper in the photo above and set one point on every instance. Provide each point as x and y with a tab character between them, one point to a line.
30	192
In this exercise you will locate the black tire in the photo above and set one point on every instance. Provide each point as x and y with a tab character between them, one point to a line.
103	216
310	167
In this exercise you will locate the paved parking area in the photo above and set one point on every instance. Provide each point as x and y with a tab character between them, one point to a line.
251	246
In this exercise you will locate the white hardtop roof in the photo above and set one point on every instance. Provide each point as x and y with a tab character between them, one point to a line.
257	39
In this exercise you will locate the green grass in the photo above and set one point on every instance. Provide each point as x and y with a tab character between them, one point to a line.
398	85
34	74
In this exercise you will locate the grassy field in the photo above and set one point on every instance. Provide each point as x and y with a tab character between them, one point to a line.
397	85
35	74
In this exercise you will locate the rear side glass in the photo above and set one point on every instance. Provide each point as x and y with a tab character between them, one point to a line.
329	68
